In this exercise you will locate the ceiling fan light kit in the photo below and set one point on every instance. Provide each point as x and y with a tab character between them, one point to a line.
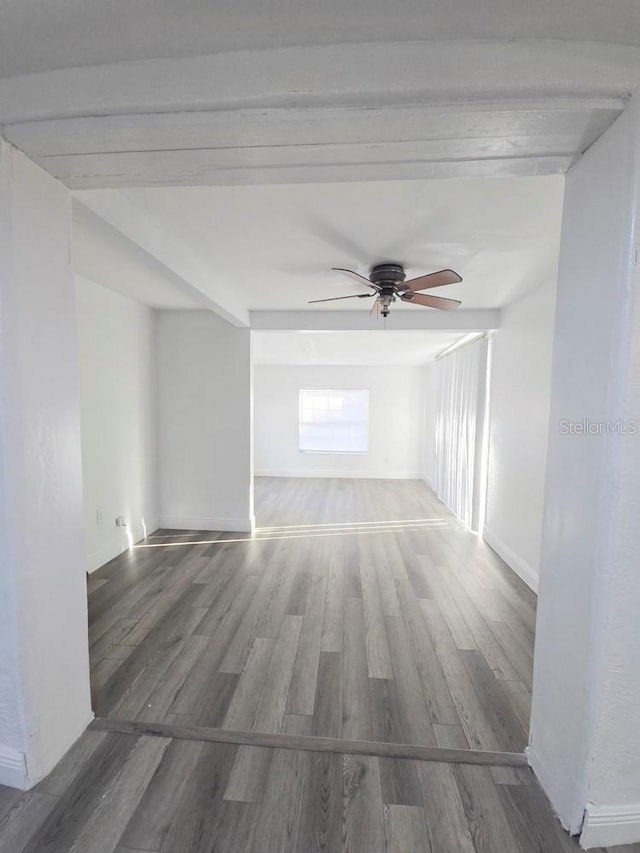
388	283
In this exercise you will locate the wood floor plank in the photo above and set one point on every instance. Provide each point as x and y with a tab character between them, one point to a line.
104	828
482	634
378	657
438	699
362	816
280	813
327	710
532	821
476	726
321	819
249	775
333	625
502	719
150	822
356	703
518	655
398	778
488	823
197	814
450	737
415	721
406	829
74	808
72	763
9	797
459	629
244	704
216	696
299	594
227	610
273	699
192	696
352	583
520	700
302	689
131	682
258	618
156	704
444	809
23	820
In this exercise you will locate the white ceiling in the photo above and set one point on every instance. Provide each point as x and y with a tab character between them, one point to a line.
39	36
374	348
272	247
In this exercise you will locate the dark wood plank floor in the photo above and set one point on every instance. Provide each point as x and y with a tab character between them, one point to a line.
360	605
116	793
360	610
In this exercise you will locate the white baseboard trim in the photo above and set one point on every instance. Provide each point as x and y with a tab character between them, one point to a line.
118	544
174	522
337	473
606	826
519	566
13	769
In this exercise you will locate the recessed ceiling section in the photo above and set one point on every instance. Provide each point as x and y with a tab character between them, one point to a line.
374	348
272	248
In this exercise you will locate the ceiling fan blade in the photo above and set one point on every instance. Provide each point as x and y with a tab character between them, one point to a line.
357	277
352	296
430	301
434	279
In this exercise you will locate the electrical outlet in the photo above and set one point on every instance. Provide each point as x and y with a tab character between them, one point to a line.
98	516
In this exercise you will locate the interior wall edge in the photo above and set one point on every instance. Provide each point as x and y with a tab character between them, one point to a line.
520	566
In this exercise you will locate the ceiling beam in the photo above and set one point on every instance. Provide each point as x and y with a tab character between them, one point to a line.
331	75
403	318
329	113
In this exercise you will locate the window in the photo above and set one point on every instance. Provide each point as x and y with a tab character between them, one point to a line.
334	422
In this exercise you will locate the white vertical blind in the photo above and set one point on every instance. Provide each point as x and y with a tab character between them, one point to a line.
461	378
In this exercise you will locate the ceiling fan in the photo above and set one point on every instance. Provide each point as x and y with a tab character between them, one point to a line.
387	281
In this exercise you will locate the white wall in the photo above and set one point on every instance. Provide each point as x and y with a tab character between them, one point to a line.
519	426
428	428
585	737
117	397
395	416
204	422
44	666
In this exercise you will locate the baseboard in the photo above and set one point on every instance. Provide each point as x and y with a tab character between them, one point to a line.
606	826
175	522
13	769
337	474
111	549
572	817
519	566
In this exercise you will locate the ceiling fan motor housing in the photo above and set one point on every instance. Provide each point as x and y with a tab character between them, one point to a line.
387	274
